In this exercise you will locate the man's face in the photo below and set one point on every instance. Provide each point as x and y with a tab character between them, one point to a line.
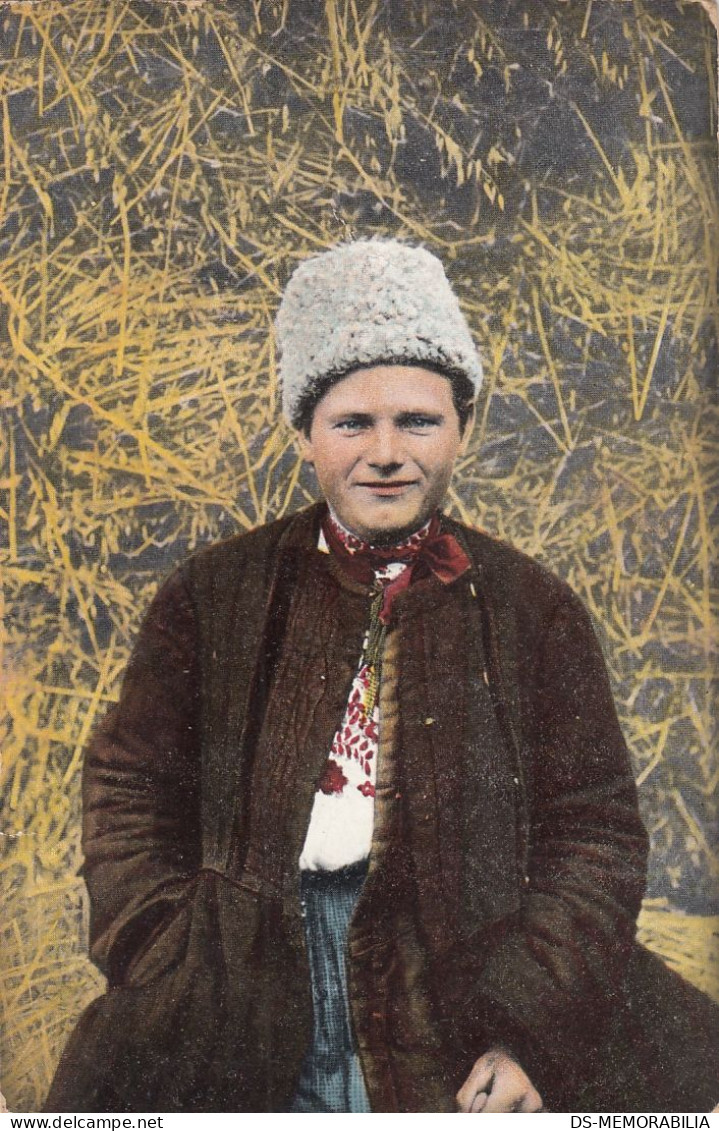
383	442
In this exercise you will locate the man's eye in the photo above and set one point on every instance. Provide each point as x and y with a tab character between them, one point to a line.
419	423
350	425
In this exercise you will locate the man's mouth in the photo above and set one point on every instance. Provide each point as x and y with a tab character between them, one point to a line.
387	489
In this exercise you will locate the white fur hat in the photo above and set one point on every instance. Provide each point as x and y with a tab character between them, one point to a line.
371	302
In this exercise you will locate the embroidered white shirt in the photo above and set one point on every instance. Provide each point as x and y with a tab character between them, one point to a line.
342	820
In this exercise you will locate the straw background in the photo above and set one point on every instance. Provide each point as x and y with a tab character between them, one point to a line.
163	168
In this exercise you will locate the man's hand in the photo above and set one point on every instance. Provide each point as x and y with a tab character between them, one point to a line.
497	1083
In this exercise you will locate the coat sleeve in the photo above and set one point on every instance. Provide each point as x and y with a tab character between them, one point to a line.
550	976
141	790
183	945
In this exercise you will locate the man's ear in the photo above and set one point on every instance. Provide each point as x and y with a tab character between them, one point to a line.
305	445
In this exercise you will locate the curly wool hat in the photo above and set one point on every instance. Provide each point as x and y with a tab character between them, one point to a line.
371	302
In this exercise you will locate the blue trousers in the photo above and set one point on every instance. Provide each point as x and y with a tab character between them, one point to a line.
331	1077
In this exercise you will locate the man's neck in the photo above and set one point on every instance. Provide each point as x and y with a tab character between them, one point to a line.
382	540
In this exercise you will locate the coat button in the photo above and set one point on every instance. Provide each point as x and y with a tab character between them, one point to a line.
429	722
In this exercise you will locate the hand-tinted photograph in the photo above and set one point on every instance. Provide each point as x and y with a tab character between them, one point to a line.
358	517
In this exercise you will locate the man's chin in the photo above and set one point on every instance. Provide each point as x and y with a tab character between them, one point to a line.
389	533
384	538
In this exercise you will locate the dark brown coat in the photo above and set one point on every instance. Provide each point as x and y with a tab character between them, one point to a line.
503	913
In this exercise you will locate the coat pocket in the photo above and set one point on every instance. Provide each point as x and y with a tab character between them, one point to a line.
193	932
177	1034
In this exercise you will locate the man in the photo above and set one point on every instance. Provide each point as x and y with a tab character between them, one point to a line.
361	833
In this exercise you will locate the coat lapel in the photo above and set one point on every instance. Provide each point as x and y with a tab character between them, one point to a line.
242	591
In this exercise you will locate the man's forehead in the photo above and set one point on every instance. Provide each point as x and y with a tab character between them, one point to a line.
388	388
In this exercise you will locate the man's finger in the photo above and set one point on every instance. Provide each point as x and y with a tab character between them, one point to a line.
497	1083
504	1096
531	1101
512	1090
479	1102
477	1082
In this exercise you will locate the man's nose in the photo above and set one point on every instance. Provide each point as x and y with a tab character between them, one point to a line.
385	449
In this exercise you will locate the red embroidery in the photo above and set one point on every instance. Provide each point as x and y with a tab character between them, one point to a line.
333	779
355	545
356	742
